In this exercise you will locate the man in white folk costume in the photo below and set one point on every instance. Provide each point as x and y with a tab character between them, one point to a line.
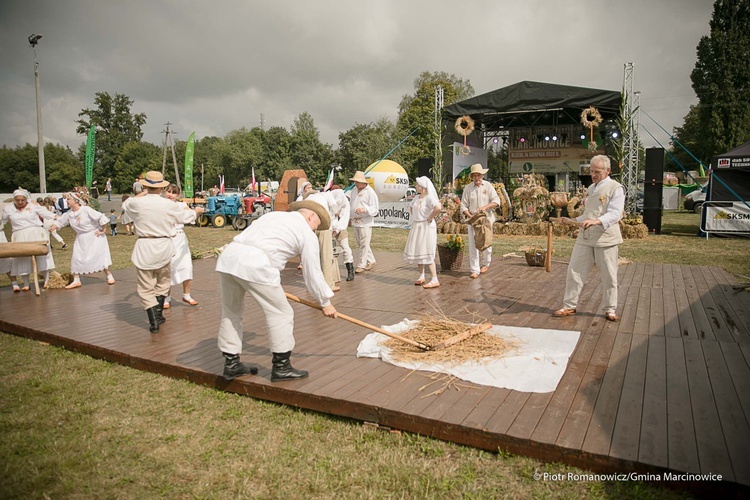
598	240
252	263
479	196
155	218
364	207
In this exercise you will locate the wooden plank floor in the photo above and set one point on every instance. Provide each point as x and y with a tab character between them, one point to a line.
666	388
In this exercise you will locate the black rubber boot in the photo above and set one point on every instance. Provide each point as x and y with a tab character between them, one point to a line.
153	323
349	271
160	309
283	369
233	368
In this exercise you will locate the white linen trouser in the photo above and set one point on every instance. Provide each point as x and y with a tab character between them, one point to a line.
582	260
271	299
363	235
477	259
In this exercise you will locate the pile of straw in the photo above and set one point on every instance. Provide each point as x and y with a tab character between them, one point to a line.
57	280
432	330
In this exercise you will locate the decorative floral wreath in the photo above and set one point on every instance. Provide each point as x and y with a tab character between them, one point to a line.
590	117
465	125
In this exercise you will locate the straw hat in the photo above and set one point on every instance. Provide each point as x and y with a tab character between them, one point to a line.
359	176
477	169
325	219
154	179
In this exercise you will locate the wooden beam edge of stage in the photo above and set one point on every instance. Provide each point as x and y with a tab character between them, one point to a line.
454	433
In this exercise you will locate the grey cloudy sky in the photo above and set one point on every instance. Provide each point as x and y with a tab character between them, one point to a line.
211	67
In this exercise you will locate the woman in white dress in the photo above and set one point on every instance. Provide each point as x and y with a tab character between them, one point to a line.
182	262
91	249
5	264
422	240
26	221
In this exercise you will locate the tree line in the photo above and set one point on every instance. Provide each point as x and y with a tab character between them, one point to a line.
121	154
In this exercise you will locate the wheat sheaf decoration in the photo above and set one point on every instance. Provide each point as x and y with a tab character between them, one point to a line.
590	117
464	126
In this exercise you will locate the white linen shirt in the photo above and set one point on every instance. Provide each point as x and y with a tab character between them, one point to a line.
367	199
85	220
155	218
26	218
340	221
475	197
260	252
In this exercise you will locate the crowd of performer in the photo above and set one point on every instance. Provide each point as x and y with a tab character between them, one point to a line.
252	261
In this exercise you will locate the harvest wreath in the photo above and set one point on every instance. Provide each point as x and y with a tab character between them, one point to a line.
464	126
590	117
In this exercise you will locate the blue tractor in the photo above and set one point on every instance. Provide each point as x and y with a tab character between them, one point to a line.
220	210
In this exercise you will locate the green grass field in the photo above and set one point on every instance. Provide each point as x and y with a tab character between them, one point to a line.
75	427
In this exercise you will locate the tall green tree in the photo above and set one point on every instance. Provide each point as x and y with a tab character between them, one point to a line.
116	126
362	145
721	80
307	152
20	168
276	155
418	112
135	158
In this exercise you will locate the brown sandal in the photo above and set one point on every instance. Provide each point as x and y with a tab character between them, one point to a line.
561	313
431	285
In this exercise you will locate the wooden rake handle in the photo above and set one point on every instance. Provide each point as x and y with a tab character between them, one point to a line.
414	343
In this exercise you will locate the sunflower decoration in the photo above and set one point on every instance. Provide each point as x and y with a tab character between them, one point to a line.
464	126
590	117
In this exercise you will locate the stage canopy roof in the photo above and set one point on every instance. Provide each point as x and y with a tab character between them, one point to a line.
528	104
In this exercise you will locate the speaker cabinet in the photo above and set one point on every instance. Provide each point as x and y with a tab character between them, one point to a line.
423	167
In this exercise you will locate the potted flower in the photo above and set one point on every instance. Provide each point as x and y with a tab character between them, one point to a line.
451	252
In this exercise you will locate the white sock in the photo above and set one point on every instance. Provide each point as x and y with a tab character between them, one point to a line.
186	296
433	280
421	277
14	283
168	299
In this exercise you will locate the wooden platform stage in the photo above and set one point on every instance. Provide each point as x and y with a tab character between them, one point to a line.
666	388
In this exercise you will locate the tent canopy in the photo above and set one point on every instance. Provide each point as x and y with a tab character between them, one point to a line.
527	104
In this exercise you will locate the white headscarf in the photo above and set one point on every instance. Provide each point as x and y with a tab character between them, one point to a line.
76	197
302	187
22	192
426	183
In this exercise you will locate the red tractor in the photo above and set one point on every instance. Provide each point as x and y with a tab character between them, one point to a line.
252	208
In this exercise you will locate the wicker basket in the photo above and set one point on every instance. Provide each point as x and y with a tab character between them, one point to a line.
535	258
450	259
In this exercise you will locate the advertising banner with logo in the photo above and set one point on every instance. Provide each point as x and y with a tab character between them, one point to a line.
725	217
393	214
463	159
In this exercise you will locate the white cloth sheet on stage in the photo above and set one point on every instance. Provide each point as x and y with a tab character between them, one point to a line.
536	365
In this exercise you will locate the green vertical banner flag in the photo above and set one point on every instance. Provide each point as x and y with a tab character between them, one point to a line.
90	154
189	166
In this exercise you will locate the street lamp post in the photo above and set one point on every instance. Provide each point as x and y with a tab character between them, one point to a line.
33	41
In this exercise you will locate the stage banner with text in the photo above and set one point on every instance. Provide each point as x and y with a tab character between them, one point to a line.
725	217
394	214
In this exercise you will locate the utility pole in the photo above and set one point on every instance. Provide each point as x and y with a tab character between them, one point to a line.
169	140
33	41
